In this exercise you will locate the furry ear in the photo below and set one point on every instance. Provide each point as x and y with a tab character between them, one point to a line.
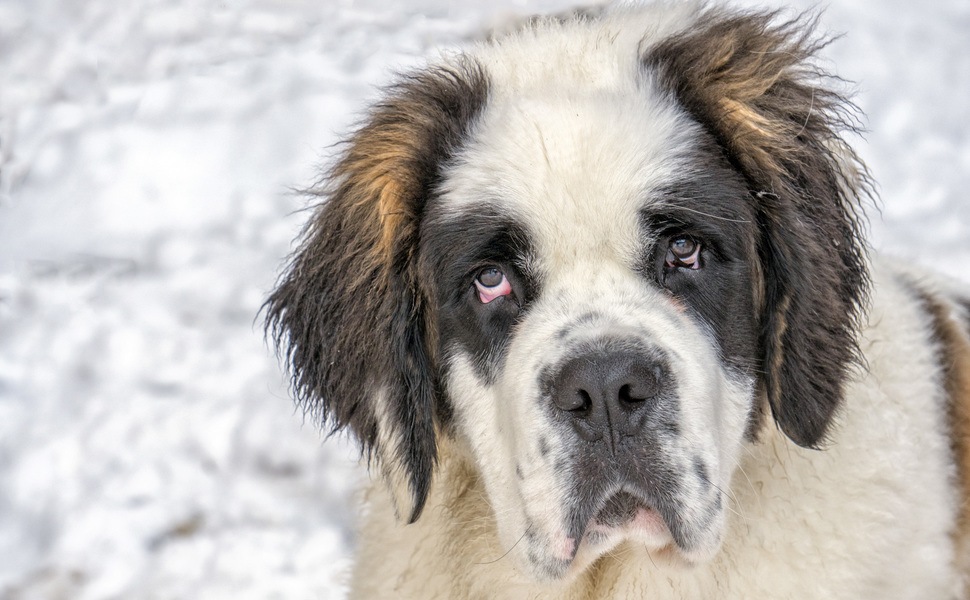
348	313
752	84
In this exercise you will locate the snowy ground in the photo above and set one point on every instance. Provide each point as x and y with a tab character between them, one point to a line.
147	445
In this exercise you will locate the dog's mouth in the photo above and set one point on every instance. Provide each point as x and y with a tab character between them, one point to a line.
657	524
619	509
676	518
597	528
627	515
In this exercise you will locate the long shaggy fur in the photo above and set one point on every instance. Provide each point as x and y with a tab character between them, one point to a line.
349	311
751	82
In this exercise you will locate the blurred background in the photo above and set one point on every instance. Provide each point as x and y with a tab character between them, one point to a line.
148	447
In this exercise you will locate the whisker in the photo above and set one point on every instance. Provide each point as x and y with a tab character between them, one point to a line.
702	213
492	562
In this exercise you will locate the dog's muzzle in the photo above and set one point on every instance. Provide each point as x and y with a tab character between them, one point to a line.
619	399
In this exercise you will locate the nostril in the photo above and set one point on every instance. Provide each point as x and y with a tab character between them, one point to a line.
575	400
626	395
639	390
578	402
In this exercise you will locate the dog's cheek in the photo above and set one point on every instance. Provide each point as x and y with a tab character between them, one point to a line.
479	427
520	456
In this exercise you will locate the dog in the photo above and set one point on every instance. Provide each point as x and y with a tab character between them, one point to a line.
594	298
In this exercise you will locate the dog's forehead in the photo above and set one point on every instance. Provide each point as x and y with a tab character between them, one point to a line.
576	166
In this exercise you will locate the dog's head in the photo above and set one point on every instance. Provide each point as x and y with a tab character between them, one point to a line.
593	253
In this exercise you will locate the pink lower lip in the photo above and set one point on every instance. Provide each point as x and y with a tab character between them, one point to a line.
565	548
645	521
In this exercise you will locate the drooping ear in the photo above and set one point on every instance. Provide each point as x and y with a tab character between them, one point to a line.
753	85
348	313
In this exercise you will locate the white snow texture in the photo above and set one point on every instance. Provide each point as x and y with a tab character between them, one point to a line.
148	445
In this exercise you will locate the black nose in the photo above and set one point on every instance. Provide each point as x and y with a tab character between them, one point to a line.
608	393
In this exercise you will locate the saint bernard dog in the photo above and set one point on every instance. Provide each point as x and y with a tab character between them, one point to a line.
593	296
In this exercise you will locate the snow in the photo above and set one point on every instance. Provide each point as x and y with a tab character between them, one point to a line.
148	447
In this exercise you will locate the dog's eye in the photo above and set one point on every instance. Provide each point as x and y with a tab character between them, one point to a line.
492	283
684	252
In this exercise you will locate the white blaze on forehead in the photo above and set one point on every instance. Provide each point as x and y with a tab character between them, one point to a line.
576	169
575	153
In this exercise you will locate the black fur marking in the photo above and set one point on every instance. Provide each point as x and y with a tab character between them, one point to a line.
713	208
751	84
701	471
349	313
619	509
585	319
453	251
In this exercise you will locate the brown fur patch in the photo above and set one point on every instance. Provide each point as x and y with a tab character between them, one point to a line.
350	314
753	79
953	341
777	360
393	160
752	83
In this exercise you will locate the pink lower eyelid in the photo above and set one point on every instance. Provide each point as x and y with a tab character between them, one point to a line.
486	294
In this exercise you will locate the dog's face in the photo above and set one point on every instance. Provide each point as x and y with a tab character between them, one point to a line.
591	254
592	271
